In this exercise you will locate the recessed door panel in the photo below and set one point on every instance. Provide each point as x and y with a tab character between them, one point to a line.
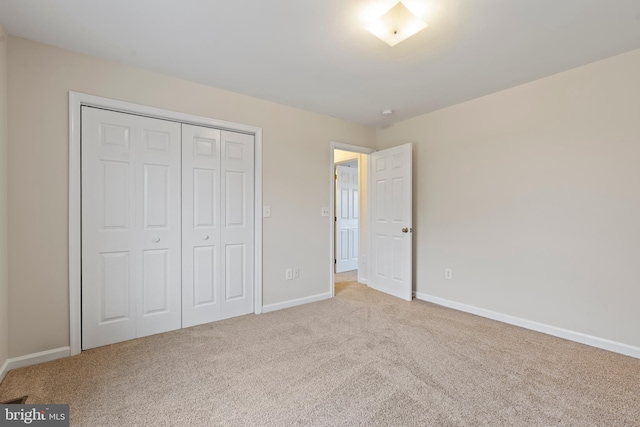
115	190
155	281
205	198
354	203
380	259
396	255
156	195
344	203
235	285
116	136
354	243
205	147
234	150
205	278
115	286
235	199
381	203
343	255
397	187
156	141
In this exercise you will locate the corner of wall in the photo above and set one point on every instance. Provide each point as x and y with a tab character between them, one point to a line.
4	254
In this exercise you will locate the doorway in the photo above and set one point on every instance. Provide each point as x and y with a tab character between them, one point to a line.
385	230
349	229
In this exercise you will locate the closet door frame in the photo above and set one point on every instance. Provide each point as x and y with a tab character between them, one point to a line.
76	101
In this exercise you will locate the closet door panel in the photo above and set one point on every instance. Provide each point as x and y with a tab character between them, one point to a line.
108	246
158	201
237	151
200	225
130	226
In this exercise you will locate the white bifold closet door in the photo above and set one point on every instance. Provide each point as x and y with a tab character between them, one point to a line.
131	235
217	224
167	226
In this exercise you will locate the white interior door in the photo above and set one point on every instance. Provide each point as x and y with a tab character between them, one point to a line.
346	219
391	221
236	219
201	235
130	226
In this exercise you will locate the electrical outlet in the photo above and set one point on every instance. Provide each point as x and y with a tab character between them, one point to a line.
288	274
448	273
296	273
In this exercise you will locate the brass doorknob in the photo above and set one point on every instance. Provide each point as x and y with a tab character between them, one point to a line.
405	230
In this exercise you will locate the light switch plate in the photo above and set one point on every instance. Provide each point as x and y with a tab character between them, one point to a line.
266	211
324	212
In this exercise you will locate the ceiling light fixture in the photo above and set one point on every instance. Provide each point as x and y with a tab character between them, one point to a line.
396	25
387	112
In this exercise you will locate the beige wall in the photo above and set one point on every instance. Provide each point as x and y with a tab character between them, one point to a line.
340	156
363	224
41	76
532	197
4	254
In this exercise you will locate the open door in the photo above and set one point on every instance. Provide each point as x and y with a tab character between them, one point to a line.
346	214
391	222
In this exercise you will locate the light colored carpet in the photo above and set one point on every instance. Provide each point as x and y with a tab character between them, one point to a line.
361	358
347	276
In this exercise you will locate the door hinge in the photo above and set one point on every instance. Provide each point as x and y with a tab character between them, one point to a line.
335	261
335	177
335	218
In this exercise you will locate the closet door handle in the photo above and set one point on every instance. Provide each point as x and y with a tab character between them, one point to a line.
156	240
205	237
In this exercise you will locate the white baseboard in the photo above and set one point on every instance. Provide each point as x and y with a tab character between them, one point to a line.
3	370
33	359
295	302
363	281
603	343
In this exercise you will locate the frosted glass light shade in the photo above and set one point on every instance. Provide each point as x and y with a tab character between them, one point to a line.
396	25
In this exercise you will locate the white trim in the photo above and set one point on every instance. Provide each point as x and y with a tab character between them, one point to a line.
257	217
33	359
75	235
603	343
356	149
295	302
76	100
4	369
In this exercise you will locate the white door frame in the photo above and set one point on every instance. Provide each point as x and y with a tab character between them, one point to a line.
76	101
332	200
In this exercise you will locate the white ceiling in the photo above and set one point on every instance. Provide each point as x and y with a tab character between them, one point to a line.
315	54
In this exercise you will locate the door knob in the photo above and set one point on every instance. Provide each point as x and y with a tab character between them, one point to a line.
205	237
156	240
407	230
